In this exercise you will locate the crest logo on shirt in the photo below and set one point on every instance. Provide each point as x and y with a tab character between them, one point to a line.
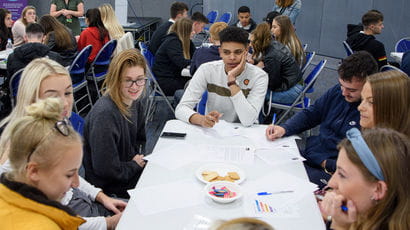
246	81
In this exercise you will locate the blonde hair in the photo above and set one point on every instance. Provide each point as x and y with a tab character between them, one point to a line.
392	151
288	38
110	21
391	100
113	82
183	29
23	13
244	223
28	91
216	28
33	136
261	39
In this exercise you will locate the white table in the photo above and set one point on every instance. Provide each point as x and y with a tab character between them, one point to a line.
3	57
397	56
153	174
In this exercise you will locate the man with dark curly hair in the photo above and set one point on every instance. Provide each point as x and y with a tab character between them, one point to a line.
335	112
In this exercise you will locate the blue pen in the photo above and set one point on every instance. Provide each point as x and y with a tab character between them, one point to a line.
344	208
270	193
274	119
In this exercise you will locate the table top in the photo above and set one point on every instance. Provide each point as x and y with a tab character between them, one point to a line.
307	212
136	23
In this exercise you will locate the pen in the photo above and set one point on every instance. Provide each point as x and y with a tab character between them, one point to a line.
273	122
271	193
344	208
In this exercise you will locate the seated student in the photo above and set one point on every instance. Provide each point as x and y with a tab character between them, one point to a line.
284	32
279	63
110	21
6	24
198	22
290	8
32	49
236	89
207	54
386	102
114	130
43	78
244	19
371	180
269	18
178	10
335	111
28	15
173	55
45	155
364	40
405	63
95	34
59	38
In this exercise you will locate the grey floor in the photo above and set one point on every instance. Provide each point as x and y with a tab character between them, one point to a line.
326	79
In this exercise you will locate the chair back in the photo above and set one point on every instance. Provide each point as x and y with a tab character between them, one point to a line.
226	17
202	103
309	58
77	68
389	67
77	122
402	45
104	55
348	50
14	86
312	77
211	16
305	46
149	57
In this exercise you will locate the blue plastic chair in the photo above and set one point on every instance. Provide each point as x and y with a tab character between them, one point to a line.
77	71
14	86
348	50
226	17
402	45
77	122
211	16
149	57
309	58
99	67
389	67
301	101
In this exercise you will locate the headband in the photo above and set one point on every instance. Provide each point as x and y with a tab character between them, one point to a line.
365	154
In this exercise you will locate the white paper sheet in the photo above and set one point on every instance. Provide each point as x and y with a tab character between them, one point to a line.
223	129
279	155
229	153
164	197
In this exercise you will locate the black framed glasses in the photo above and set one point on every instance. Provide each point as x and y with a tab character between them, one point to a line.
139	82
61	126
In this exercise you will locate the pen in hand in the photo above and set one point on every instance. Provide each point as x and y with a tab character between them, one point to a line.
273	123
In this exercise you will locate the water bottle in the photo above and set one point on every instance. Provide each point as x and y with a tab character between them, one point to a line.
9	45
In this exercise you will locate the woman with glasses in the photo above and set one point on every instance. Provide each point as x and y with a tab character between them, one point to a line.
371	186
114	131
45	156
41	79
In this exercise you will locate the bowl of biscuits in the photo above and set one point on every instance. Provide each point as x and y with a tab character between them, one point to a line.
223	191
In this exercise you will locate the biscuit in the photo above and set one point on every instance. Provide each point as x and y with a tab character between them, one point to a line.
211	176
234	175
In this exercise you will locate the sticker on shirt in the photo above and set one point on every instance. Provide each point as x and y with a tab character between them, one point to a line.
352	123
246	81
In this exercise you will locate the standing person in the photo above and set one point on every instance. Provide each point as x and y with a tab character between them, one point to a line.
45	156
372	181
173	55
236	89
364	40
5	28
110	21
28	15
335	111
284	32
59	38
386	102
67	12
245	20
178	10
290	8
114	130
279	63
41	79
95	34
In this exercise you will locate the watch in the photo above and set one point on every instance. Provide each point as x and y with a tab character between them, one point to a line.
231	83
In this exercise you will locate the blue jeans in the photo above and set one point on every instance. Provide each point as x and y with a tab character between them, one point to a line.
285	97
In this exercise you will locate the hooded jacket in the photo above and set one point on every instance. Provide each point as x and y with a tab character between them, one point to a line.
91	36
25	53
25	207
360	41
252	25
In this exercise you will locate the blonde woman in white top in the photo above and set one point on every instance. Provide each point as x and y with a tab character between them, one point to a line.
110	21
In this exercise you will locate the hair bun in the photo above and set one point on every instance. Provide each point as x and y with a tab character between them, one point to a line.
49	108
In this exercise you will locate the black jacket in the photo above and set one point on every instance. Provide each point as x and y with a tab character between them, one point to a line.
25	53
360	41
158	37
281	66
169	59
251	28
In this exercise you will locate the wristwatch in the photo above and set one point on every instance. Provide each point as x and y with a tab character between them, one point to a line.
231	83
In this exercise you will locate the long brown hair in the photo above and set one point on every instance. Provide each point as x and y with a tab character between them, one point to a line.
183	29
61	34
261	39
392	151
288	38
284	3
391	100
116	70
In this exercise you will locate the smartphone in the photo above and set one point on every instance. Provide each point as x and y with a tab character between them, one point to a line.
173	135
